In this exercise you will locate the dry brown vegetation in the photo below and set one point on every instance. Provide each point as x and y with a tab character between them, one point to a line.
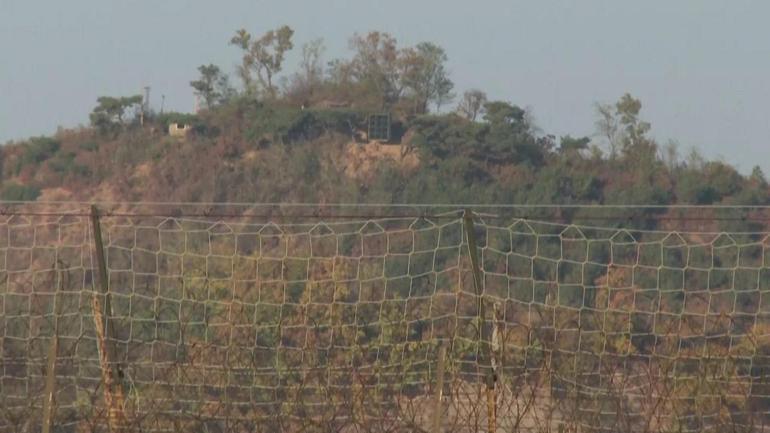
253	324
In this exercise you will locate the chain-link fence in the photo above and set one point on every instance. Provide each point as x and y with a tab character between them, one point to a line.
154	321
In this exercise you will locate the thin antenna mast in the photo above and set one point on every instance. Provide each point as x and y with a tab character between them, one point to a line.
145	105
147	99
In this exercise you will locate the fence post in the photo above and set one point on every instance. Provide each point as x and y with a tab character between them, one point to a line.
50	374
437	406
484	343
114	396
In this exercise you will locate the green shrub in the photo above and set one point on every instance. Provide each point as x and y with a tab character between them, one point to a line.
13	191
65	163
291	125
89	146
37	150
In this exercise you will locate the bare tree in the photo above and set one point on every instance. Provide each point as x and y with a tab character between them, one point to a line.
472	104
312	54
305	82
670	154
607	127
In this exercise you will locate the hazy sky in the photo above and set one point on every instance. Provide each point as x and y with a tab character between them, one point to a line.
700	67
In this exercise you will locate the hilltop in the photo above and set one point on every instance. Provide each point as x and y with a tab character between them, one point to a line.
305	138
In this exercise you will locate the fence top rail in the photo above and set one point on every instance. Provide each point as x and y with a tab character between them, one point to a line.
450	206
754	219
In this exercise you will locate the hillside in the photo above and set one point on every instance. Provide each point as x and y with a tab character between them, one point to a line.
248	151
306	141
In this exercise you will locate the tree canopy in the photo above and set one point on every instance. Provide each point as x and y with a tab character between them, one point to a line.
262	57
110	111
213	86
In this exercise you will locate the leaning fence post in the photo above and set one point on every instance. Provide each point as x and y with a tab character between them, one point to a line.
50	374
486	357
50	383
114	396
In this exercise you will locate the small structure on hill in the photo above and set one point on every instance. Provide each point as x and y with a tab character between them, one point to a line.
379	127
179	129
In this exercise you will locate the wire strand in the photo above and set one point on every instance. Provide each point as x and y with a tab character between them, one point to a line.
389	205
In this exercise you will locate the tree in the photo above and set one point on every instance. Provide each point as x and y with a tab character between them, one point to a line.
425	75
670	155
573	145
508	136
263	57
340	72
213	86
758	176
472	104
607	128
376	65
634	130
109	112
311	64
503	113
625	133
306	81
694	160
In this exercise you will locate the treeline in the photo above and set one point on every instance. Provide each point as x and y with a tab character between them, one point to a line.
267	134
